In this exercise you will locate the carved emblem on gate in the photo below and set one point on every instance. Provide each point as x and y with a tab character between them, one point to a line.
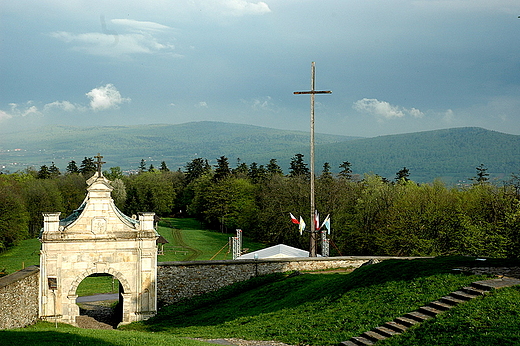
99	225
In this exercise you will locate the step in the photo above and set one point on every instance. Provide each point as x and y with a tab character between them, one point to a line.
406	321
361	341
483	285
428	310
450	300
396	326
347	343
386	331
462	295
474	291
373	336
440	305
418	316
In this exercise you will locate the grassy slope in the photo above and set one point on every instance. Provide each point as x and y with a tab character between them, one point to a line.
25	254
493	320
319	309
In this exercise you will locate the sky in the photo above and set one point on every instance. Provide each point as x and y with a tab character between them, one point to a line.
393	66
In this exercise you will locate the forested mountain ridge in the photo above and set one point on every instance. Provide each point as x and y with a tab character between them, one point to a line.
125	146
450	154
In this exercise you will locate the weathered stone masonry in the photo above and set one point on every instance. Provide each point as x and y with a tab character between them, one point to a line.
180	280
19	298
175	281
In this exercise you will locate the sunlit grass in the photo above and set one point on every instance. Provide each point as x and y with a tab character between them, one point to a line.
25	254
44	333
188	241
314	309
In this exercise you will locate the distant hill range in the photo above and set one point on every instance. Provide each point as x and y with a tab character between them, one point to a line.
450	154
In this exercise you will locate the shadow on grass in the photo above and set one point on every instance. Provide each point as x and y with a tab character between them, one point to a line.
42	338
271	293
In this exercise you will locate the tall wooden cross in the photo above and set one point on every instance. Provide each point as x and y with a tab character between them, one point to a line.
313	243
99	163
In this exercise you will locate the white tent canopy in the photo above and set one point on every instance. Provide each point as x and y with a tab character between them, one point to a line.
276	251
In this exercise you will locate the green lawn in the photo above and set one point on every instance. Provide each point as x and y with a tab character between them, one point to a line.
316	309
188	241
25	254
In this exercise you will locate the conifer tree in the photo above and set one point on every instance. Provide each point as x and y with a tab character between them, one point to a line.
346	171
298	167
72	167
88	167
273	168
44	173
222	170
54	171
164	168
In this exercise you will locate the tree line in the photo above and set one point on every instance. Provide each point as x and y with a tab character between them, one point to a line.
370	215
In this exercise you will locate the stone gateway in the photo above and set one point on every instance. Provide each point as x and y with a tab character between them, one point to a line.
98	238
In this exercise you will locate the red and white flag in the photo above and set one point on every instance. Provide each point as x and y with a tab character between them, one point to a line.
316	220
294	220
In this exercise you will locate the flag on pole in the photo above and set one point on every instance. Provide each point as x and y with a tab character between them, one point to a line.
326	223
302	226
294	220
316	220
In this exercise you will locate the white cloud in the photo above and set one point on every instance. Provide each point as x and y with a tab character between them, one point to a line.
384	110
26	110
448	116
263	104
140	25
113	45
62	105
138	37
202	104
235	8
105	97
4	115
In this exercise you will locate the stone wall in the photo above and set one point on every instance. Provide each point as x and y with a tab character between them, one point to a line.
19	298
180	280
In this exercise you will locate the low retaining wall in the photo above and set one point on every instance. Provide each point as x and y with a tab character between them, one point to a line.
19	298
180	280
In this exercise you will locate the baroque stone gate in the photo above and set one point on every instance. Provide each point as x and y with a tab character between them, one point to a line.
98	238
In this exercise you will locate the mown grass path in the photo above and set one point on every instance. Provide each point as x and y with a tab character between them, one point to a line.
192	253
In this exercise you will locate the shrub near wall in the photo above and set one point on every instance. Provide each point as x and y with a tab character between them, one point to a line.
181	280
19	298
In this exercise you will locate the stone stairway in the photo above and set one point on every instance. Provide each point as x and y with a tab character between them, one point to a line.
401	324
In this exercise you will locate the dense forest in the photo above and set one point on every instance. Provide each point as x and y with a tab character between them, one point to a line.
370	215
